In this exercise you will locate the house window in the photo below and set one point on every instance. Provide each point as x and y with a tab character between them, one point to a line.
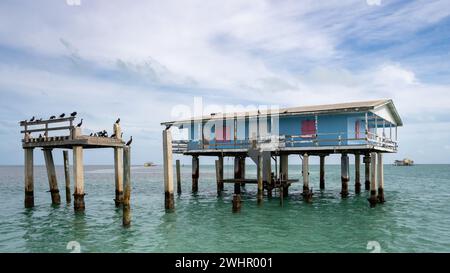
223	133
308	128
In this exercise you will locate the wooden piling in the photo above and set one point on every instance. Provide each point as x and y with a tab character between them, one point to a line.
259	176
67	176
322	172
78	173
367	172
29	178
237	174
219	175
51	174
236	203
168	171
284	173
267	172
118	171
380	178
344	174
357	174
373	180
242	162
178	168
126	217
195	173
307	193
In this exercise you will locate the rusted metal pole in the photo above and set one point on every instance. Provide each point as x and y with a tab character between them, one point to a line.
373	180
78	173
322	172
168	171
29	178
178	167
126	219
307	193
367	171
118	172
51	174
357	174
259	176
344	175
195	173
380	178
67	176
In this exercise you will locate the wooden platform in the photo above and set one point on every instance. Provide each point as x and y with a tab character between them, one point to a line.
254	181
67	142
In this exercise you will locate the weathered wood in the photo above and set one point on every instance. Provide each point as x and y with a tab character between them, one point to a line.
307	193
322	172
178	168
78	173
373	180
67	176
220	186
259	176
29	179
126	217
237	174
267	172
236	203
168	171
195	173
367	172
47	129
242	162
51	174
344	174
380	178
284	173
357	173
118	175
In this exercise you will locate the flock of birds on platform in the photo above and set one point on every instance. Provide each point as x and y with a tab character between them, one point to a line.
103	133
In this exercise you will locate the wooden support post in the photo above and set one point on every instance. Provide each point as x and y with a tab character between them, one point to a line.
242	162
126	217
307	193
168	171
118	171
284	174
367	171
237	174
219	175
67	176
322	172
51	174
380	178
267	172
178	167
195	173
357	173
344	175
259	175
373	180
29	178
78	173
236	203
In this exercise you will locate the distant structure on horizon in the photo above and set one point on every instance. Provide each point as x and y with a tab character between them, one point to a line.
404	162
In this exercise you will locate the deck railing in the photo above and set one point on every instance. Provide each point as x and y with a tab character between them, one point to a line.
42	128
286	141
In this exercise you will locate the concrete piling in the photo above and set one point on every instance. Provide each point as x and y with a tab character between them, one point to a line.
307	193
195	173
118	173
67	176
380	178
168	171
78	173
344	175
322	172
29	178
373	180
357	174
126	217
178	168
51	174
367	172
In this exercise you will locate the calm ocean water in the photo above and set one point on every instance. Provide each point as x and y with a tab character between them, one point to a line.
415	218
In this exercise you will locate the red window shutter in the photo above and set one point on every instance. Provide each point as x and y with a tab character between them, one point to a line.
308	127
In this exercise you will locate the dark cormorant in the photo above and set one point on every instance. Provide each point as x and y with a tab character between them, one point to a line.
118	121
62	115
32	119
129	141
73	114
113	135
79	124
52	117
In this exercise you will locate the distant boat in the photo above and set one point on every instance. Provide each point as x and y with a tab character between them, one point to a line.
404	162
149	164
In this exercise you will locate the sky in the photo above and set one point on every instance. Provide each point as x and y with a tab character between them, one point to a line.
138	60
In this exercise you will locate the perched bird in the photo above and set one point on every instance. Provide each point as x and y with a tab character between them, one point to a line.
113	135
52	117
73	114
129	141
40	135
168	126
32	119
121	135
79	124
62	115
91	134
118	121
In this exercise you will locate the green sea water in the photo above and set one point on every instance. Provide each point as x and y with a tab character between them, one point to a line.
415	218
